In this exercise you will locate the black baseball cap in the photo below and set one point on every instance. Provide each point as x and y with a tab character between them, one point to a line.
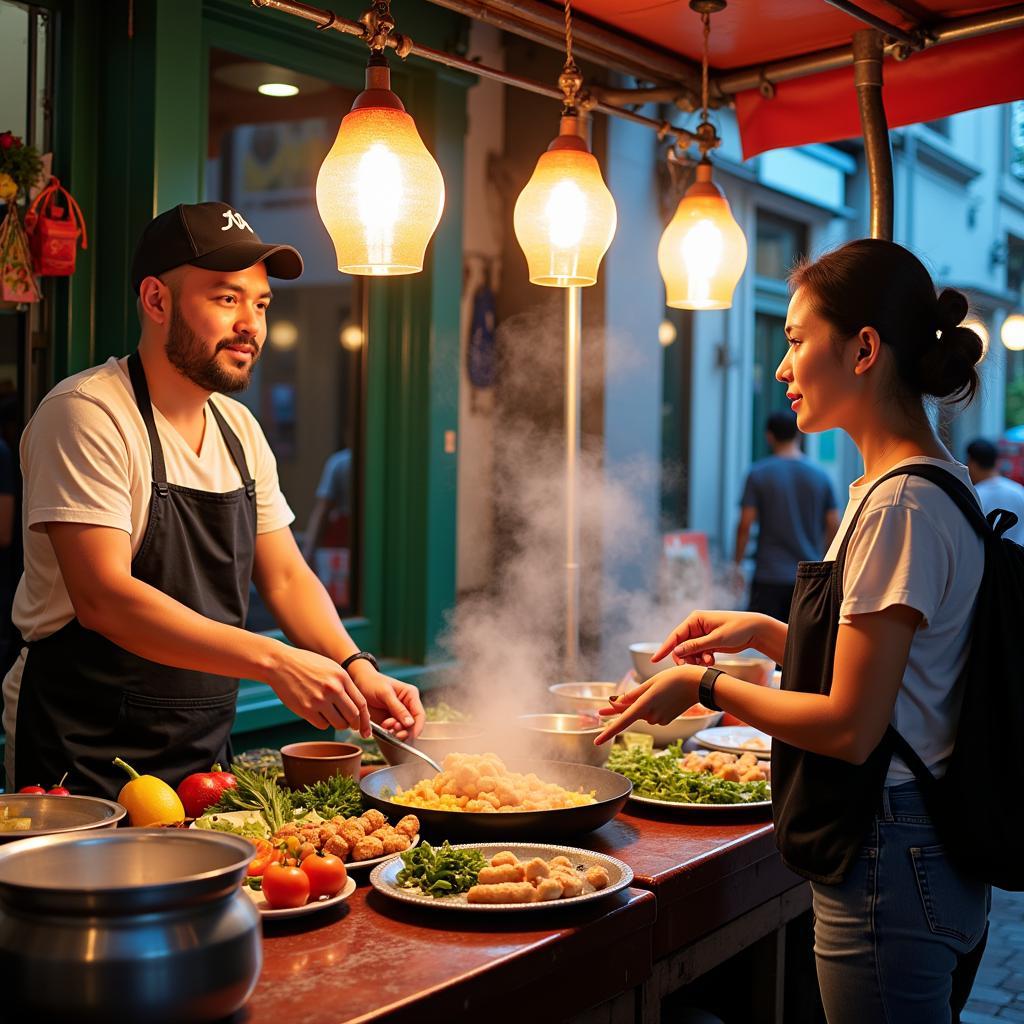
210	235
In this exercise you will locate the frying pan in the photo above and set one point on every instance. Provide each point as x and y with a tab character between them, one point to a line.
610	789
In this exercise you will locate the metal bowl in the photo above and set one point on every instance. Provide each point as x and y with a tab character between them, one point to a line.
138	924
52	814
641	654
565	738
610	789
437	740
583	698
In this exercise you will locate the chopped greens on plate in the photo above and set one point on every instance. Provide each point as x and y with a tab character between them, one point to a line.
440	871
659	777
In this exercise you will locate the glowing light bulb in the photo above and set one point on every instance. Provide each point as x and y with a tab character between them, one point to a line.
565	216
981	330
283	334
277	89
1012	332
702	253
379	191
351	337
666	333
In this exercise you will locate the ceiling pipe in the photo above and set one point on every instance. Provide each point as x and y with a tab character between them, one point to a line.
894	31
951	31
867	77
543	24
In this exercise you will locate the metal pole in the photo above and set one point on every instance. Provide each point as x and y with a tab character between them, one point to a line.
867	76
573	332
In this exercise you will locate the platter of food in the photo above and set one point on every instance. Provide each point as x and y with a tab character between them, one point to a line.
480	797
499	877
716	782
735	739
267	911
338	836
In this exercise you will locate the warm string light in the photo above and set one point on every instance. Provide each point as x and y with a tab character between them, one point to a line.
565	216
379	191
1012	332
703	252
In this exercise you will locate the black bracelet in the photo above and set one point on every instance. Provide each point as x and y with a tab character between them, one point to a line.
360	656
706	690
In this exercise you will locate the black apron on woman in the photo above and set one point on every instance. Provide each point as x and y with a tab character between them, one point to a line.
84	701
823	807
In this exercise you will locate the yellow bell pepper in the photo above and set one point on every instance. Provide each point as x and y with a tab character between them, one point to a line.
148	800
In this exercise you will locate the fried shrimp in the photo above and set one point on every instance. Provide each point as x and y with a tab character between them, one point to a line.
536	869
597	876
549	889
374	820
367	848
505	857
409	825
504	892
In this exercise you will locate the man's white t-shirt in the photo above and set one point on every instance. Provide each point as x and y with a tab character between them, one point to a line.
86	458
998	492
913	546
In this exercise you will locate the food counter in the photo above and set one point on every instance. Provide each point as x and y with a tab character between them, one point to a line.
713	888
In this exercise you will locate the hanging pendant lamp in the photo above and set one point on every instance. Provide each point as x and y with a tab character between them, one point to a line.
703	252
565	216
379	191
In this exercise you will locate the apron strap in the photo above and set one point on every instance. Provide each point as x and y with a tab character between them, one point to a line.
235	447
142	400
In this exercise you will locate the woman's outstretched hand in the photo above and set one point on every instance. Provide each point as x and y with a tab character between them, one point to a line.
702	635
662	699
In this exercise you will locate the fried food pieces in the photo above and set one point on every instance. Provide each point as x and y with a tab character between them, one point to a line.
352	839
480	783
744	768
509	880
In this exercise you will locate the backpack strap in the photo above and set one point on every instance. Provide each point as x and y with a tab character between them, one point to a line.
998	522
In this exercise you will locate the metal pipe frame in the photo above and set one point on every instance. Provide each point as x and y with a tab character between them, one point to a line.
867	77
603	101
573	333
847	7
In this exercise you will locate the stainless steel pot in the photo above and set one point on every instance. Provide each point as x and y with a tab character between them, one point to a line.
126	925
51	814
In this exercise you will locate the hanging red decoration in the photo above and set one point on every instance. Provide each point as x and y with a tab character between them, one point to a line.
54	231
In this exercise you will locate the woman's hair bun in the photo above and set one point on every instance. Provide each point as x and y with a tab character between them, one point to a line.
952	308
946	368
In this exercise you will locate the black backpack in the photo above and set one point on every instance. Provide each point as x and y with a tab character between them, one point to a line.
974	804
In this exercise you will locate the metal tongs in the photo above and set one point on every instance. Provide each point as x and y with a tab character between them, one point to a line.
383	734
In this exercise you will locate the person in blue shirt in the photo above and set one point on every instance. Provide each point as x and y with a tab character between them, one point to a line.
792	502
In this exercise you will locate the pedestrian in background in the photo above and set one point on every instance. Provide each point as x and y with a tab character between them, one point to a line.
791	500
994	489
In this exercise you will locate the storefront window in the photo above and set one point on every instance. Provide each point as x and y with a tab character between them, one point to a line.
1017	139
264	151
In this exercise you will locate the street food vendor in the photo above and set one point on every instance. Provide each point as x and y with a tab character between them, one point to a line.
878	635
151	503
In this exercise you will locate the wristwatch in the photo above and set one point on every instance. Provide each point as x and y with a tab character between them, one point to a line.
360	656
706	690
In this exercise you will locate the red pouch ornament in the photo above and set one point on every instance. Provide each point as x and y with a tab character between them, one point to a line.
53	231
17	282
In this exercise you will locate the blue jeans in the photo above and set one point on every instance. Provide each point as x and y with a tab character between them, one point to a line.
894	940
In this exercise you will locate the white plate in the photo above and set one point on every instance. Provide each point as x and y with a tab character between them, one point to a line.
384	878
651	801
243	817
730	738
261	904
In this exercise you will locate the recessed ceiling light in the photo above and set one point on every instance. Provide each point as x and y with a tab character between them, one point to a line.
278	89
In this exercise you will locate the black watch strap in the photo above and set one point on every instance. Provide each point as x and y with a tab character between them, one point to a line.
706	690
360	656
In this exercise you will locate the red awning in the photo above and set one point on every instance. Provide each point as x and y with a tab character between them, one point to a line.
822	107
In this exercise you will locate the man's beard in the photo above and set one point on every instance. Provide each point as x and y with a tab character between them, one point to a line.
187	353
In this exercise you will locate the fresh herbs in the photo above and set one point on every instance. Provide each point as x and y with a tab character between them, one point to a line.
440	872
338	795
257	792
661	778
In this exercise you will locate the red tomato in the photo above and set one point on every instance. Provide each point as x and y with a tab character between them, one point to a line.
327	875
266	854
285	886
31	789
203	789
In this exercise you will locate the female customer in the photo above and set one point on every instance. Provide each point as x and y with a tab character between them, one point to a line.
878	634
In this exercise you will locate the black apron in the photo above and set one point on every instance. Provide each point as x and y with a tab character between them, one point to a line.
823	807
84	701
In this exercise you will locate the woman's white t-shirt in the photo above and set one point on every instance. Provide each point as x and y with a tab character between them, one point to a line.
86	458
913	546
